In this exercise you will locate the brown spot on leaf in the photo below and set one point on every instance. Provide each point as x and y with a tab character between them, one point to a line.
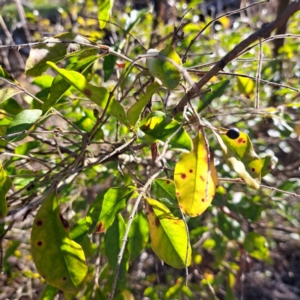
201	177
202	199
253	170
150	209
39	243
100	228
64	222
191	171
64	278
157	222
183	176
39	223
177	193
87	92
168	182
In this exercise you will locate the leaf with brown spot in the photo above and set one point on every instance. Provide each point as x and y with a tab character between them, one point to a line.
169	239
192	180
241	158
58	259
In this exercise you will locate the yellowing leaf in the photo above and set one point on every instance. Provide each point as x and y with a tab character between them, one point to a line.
59	260
241	158
195	183
5	185
168	235
105	7
245	85
168	73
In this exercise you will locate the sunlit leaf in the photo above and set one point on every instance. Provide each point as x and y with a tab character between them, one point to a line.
55	49
104	12
27	147
245	85
8	92
79	230
241	158
11	106
165	71
106	206
268	164
257	246
5	185
4	74
168	235
98	95
25	120
195	182
158	127
60	85
136	109
59	260
49	292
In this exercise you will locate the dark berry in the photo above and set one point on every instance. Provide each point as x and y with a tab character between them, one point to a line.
233	133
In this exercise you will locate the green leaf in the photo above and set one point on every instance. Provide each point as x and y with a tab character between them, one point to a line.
158	127
164	191
7	93
59	260
230	227
11	106
6	75
5	185
27	147
104	12
109	63
241	158
136	109
168	235
257	246
138	236
25	120
79	230
218	90
60	85
106	206
195	181
113	239
268	164
166	72
49	292
55	49
98	95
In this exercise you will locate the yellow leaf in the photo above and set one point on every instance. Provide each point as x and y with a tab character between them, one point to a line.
195	183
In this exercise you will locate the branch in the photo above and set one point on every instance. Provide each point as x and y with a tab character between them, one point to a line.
134	210
264	32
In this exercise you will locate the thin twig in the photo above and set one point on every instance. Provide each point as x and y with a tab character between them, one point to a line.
258	76
130	220
216	19
240	181
265	31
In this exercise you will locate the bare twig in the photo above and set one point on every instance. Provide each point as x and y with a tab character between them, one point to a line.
216	19
265	31
258	76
